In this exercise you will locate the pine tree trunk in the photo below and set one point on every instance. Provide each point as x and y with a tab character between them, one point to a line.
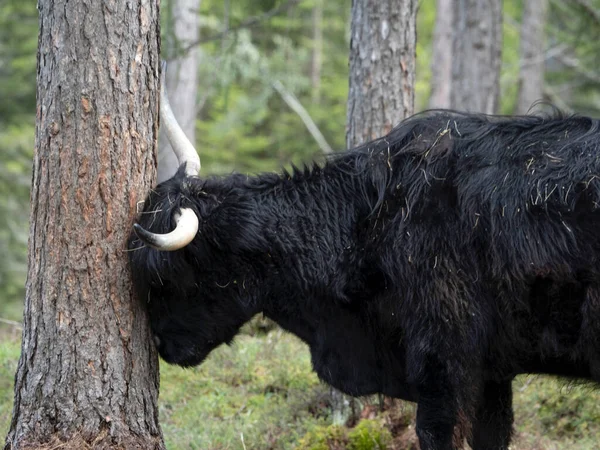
441	60
381	91
382	67
476	55
531	74
88	373
182	78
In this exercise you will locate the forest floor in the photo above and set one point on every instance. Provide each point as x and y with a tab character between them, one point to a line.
261	394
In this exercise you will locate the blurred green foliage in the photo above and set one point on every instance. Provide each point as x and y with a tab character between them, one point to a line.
18	44
244	124
572	72
18	47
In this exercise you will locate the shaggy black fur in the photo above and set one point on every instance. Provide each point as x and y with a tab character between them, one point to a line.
433	264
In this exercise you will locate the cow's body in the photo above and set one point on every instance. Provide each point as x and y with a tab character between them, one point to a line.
432	265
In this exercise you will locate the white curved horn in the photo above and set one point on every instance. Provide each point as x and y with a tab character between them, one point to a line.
181	145
185	230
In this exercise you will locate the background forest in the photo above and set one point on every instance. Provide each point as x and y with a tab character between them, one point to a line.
244	124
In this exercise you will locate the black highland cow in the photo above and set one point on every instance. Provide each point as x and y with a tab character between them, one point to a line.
432	265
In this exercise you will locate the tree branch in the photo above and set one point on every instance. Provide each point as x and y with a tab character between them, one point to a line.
555	99
590	10
575	64
12	323
553	52
297	107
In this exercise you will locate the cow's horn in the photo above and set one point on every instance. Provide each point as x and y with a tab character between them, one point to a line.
181	145
186	228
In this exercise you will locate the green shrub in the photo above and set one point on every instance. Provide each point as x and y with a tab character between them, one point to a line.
369	435
323	438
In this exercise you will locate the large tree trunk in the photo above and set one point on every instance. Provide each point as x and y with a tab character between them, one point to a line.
381	91
476	55
182	78
531	74
441	60
88	375
382	67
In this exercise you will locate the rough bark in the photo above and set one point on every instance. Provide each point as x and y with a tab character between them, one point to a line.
441	61
531	74
182	78
381	90
382	67
88	372
476	55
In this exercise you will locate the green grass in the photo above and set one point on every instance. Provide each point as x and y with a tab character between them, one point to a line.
261	394
551	414
260	390
9	357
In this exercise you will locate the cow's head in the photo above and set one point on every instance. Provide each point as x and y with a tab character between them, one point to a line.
181	258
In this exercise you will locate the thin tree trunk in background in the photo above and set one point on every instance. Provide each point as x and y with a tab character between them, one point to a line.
476	55
382	67
182	78
381	90
441	60
531	76
88	372
316	61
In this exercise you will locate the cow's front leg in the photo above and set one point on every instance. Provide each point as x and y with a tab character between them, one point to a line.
435	424
492	426
437	410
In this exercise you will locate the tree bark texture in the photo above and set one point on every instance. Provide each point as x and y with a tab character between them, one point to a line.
476	55
531	74
382	67
88	373
381	89
441	60
182	78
